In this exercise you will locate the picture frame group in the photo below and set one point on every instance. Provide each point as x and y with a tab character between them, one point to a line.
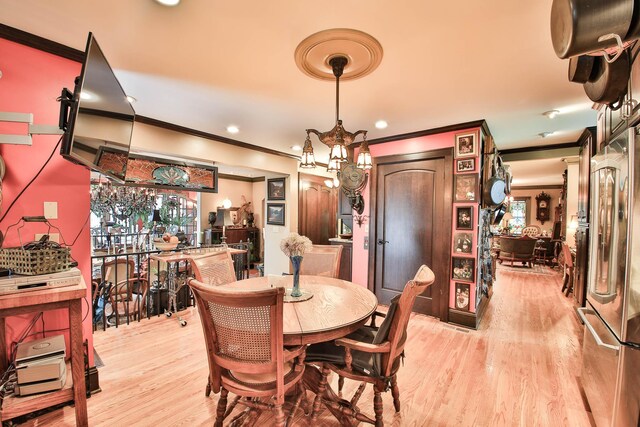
464	218
466	165
275	213
466	145
466	188
463	269
463	243
276	189
463	296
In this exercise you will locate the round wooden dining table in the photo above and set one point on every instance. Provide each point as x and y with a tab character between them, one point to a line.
336	309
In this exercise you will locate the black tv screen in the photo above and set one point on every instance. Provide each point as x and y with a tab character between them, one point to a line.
100	119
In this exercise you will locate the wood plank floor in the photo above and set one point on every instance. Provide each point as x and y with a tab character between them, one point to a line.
520	369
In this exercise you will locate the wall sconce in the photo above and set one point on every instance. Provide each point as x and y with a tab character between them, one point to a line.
360	219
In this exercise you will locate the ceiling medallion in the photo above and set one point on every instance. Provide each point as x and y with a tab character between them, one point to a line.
364	53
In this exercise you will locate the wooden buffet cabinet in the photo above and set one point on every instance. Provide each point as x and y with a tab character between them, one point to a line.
236	235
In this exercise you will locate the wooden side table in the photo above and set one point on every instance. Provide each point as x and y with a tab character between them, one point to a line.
69	297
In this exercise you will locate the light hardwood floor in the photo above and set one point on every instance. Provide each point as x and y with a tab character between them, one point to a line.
520	369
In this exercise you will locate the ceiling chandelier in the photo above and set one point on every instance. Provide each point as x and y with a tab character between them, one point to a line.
340	141
120	201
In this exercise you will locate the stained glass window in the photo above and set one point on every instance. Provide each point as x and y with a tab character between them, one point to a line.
518	209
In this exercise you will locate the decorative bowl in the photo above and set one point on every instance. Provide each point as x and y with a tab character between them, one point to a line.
165	246
346	236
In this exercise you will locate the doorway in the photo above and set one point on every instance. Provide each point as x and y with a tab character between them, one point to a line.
411	205
317	209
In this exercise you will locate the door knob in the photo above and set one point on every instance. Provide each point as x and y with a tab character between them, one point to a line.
382	242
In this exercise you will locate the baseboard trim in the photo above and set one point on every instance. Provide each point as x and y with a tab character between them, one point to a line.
92	380
462	318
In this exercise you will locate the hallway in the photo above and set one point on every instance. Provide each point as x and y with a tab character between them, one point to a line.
519	369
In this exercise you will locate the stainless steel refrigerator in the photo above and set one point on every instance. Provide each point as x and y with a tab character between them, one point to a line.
611	350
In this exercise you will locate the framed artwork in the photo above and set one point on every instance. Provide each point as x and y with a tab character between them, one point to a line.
275	213
463	243
143	171
275	189
464	218
466	145
463	292
463	268
466	165
466	188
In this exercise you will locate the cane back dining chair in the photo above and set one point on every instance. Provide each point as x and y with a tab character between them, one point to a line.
243	332
371	355
213	268
322	260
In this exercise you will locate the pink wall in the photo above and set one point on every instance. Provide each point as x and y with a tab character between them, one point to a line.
31	81
415	145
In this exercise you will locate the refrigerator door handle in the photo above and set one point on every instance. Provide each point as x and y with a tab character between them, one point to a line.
581	312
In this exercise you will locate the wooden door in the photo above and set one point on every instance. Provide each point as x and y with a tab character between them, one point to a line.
317	209
411	226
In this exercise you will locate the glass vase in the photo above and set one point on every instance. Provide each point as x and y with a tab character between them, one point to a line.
295	263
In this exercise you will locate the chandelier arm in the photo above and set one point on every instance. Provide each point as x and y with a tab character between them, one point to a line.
353	137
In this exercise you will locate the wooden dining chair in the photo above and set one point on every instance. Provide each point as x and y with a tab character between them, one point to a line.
370	355
243	333
126	293
322	260
213	268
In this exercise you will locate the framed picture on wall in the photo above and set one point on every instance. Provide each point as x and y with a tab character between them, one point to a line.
275	189
466	165
275	213
466	188
463	293
466	145
463	268
464	218
463	243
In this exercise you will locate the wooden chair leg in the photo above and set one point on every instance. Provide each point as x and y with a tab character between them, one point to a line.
277	408
207	391
395	392
300	391
377	405
321	389
222	407
340	383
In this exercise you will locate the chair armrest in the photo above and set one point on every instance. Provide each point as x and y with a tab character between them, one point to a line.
373	317
293	352
363	346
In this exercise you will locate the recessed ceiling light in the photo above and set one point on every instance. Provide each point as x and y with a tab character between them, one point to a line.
131	99
551	113
545	134
296	148
168	2
381	124
233	129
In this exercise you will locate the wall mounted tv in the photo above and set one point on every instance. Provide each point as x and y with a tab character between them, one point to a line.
97	116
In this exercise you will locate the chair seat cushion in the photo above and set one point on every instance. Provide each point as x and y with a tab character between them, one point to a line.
263	378
328	352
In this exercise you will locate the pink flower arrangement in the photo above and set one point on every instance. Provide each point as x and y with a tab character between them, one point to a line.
295	245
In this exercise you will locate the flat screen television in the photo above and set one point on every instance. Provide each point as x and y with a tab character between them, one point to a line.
97	118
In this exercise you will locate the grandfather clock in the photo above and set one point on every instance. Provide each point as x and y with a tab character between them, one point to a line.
543	207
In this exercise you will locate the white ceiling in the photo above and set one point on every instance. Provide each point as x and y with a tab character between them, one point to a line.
206	64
